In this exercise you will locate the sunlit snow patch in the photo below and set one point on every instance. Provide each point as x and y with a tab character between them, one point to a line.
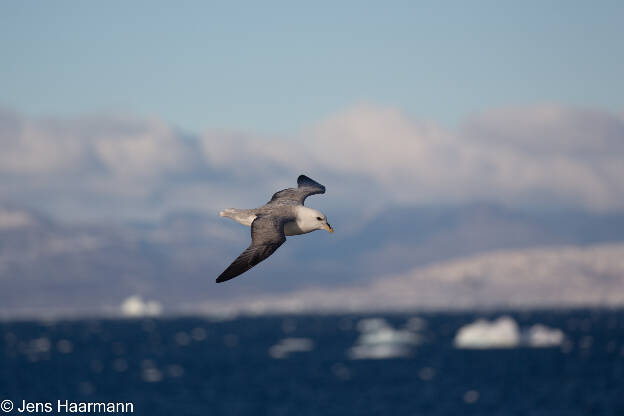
379	340
505	333
289	345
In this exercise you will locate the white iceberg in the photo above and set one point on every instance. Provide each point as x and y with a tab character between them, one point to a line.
539	336
135	306
481	334
372	324
505	333
289	345
378	352
416	323
379	340
389	336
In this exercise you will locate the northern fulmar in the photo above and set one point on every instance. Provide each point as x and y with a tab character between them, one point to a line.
283	215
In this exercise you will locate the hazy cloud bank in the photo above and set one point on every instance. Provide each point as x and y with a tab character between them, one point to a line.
139	168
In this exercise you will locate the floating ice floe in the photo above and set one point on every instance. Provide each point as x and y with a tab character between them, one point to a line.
39	345
378	352
415	323
289	345
542	336
387	336
150	372
379	340
64	346
36	349
501	333
135	306
371	324
505	333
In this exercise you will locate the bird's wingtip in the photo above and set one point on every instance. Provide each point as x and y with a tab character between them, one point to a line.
304	180
224	277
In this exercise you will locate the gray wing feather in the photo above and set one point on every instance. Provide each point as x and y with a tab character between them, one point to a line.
267	234
296	196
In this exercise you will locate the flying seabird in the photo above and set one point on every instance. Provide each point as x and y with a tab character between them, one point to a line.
283	215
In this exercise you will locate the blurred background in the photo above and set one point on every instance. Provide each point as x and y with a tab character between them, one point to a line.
473	158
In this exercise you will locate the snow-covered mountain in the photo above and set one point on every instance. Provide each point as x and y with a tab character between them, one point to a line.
567	276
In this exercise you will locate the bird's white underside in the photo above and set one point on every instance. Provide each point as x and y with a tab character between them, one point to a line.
299	226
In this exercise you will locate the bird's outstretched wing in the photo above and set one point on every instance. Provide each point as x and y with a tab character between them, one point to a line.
267	234
296	196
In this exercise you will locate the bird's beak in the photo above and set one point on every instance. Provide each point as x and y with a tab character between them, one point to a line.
329	228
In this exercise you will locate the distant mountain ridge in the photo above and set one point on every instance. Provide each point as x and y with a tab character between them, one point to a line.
545	277
49	266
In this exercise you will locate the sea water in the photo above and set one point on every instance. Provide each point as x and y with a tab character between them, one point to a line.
396	364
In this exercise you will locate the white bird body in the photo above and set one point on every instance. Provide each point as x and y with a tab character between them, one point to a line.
305	219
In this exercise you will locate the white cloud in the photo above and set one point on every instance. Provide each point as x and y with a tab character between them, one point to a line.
367	156
12	218
36	147
544	154
115	145
152	149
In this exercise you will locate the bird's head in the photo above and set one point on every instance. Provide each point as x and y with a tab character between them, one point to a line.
317	220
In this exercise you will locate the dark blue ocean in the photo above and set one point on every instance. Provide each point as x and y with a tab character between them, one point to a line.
244	366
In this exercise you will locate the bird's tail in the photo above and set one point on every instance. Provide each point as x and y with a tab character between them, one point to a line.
242	216
228	212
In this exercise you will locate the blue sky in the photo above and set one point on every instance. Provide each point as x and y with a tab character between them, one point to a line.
134	109
278	67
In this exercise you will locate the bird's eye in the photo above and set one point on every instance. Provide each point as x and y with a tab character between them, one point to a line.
319	218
